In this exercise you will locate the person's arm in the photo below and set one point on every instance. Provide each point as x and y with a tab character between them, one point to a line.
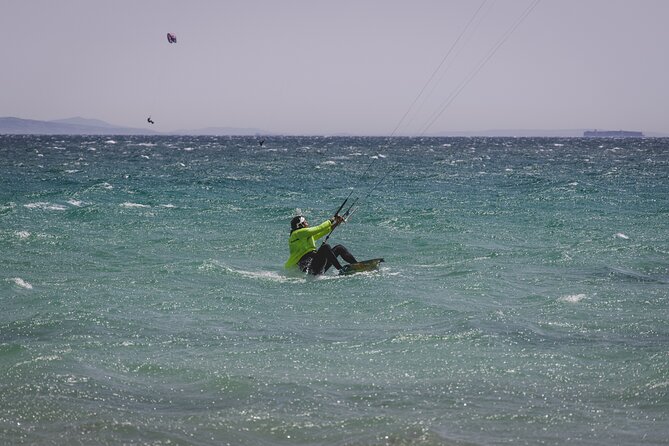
336	221
322	229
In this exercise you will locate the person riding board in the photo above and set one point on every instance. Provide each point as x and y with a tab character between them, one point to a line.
302	244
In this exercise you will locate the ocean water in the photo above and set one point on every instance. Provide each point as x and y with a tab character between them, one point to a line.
524	298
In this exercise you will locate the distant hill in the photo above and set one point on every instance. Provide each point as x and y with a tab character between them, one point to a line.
85	126
71	126
84	121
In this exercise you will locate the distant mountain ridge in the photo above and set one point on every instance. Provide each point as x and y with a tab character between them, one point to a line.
86	126
70	126
84	121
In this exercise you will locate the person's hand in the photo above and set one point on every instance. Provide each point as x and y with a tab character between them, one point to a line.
338	219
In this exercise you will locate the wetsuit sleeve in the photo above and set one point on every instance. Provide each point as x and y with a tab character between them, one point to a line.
322	229
317	231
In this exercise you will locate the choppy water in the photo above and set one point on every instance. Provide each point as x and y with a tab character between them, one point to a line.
524	298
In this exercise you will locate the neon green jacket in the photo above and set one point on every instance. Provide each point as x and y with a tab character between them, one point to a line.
303	240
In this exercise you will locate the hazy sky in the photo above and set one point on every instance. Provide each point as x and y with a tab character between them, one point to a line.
338	66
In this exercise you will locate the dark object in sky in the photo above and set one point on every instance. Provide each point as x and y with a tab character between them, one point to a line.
149	120
172	38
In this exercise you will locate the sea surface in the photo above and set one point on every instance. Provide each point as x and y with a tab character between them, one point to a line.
524	298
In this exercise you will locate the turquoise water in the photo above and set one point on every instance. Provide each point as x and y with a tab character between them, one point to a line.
524	298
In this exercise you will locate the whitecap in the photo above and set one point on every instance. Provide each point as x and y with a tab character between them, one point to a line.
329	163
128	204
622	236
22	234
572	298
45	206
110	141
76	203
22	283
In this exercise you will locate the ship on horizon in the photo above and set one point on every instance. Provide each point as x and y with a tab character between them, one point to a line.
612	134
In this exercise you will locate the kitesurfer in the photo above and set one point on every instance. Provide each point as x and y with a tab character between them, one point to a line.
302	244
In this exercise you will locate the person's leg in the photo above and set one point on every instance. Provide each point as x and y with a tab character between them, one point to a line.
341	251
323	260
305	262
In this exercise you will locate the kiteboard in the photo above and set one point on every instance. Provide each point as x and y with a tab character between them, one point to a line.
360	267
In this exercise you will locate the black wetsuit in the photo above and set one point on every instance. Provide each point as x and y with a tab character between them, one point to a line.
320	261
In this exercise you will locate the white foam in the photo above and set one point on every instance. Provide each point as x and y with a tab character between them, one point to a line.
45	206
622	236
128	204
265	275
110	141
76	203
573	298
22	234
22	283
272	276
